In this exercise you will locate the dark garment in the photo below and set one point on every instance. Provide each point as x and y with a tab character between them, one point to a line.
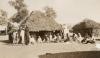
19	37
27	36
9	33
10	38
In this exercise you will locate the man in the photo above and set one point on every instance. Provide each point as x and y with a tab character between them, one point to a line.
22	35
27	35
9	27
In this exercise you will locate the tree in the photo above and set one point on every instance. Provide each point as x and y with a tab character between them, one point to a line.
3	14
3	17
50	13
21	8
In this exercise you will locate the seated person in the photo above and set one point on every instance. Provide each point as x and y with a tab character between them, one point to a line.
32	39
87	40
39	39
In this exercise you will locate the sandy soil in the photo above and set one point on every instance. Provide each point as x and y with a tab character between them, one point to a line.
33	51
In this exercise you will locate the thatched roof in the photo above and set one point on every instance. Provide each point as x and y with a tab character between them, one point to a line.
39	22
87	23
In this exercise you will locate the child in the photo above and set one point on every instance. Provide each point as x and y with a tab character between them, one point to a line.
39	39
32	39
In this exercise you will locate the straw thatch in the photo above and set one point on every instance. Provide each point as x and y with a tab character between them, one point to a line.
39	22
87	26
87	23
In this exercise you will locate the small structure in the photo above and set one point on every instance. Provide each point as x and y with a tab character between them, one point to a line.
87	28
3	23
3	30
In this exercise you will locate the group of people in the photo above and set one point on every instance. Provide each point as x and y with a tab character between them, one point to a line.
20	34
61	38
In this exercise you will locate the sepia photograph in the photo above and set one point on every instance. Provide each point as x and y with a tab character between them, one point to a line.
49	28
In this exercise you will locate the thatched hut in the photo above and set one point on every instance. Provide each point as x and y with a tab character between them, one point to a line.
39	23
87	27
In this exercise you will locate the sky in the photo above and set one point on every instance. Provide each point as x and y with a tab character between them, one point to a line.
68	11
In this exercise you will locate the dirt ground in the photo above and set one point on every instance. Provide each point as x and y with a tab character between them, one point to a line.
33	51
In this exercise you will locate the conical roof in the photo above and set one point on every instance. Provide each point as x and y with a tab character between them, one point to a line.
39	22
87	23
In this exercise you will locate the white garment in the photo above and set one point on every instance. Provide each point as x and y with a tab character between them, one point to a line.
15	26
70	34
15	35
32	40
39	40
66	31
50	37
22	34
80	39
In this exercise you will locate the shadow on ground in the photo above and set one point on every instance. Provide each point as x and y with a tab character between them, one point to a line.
5	41
83	54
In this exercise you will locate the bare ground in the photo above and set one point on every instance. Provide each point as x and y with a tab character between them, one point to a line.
33	51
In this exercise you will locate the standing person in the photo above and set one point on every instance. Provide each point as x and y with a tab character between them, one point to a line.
66	38
9	27
27	35
22	35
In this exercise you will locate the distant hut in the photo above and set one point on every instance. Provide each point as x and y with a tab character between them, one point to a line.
3	23
3	30
87	28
